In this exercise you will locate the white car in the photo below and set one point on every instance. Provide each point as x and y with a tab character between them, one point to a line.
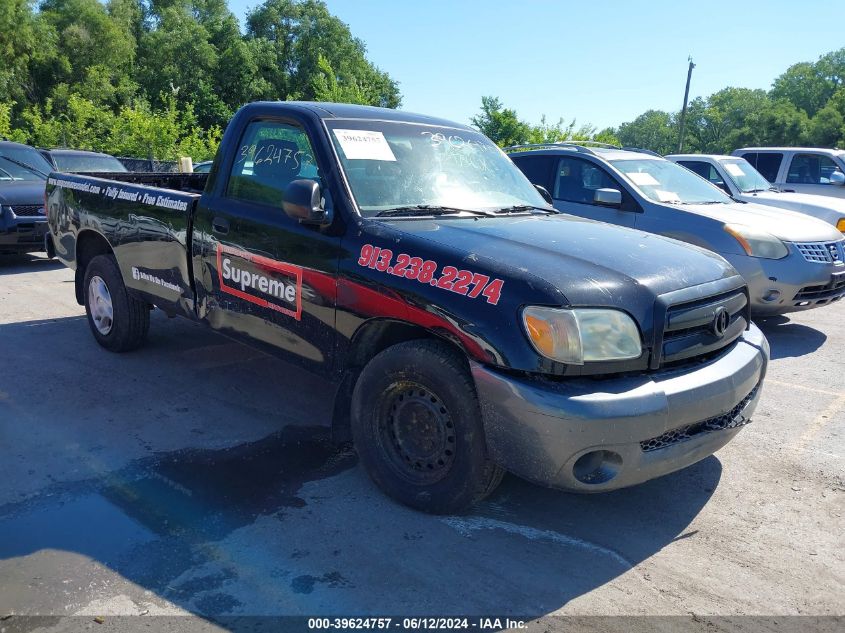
736	177
799	169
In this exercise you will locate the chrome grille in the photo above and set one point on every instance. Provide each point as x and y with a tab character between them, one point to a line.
28	210
821	252
689	329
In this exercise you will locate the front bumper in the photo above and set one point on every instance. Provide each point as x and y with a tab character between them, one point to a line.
598	435
24	234
791	284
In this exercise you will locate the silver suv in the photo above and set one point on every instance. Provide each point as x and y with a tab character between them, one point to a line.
790	261
815	170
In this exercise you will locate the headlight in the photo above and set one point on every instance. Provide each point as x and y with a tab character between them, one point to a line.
841	225
757	243
581	335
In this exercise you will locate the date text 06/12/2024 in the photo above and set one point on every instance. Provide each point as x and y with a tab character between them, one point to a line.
418	623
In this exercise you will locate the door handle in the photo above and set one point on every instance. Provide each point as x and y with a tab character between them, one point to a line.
220	225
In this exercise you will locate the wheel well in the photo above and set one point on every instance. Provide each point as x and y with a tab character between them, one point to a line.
89	244
370	339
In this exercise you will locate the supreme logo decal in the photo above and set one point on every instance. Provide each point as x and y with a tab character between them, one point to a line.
260	280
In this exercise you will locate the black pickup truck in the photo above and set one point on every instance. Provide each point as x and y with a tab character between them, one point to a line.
464	326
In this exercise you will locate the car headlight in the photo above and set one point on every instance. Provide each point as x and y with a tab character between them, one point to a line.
757	243
581	335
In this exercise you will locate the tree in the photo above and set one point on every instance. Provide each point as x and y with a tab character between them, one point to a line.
93	54
500	124
555	133
296	35
654	130
827	128
809	85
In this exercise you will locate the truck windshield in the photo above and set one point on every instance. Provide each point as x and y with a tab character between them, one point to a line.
402	166
22	163
744	176
665	181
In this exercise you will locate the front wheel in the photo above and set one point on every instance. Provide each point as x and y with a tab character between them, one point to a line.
118	320
417	428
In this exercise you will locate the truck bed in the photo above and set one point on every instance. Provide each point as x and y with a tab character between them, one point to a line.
189	183
146	219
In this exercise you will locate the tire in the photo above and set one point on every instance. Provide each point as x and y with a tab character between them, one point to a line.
124	327
417	428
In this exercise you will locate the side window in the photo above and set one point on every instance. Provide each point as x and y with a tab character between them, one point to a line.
751	157
768	164
811	169
538	169
270	156
706	171
576	180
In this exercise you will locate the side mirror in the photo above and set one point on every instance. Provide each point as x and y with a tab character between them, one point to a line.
837	178
303	202
608	198
545	193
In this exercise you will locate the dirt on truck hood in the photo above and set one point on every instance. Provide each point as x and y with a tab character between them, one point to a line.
590	262
786	225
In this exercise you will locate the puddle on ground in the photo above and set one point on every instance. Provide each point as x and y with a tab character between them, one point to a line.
146	520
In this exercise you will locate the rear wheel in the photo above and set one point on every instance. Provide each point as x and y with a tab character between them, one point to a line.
119	321
417	428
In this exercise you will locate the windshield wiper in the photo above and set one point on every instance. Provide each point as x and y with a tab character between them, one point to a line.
518	208
20	163
427	209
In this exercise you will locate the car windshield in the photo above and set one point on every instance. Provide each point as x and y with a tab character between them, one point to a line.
404	167
22	163
665	181
744	176
87	162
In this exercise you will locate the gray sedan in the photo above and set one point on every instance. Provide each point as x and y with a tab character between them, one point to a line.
789	260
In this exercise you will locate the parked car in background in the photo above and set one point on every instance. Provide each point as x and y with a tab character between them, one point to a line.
790	261
461	325
23	172
203	167
80	161
736	177
800	169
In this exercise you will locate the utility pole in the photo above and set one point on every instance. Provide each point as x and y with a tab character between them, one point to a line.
684	109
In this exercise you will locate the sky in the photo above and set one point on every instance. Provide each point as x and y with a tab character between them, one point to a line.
600	62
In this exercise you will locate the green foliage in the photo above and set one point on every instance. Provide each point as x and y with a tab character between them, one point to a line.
806	106
162	77
654	130
296	35
557	132
503	127
500	124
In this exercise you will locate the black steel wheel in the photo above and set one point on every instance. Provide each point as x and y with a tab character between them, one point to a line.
418	430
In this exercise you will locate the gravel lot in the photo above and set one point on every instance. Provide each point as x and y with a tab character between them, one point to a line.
181	479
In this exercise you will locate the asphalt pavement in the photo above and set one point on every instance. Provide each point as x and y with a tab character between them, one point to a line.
194	479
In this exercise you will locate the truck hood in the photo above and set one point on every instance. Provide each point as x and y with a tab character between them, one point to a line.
22	192
782	223
591	263
824	208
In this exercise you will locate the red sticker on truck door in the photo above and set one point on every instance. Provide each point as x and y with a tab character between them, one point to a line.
260	280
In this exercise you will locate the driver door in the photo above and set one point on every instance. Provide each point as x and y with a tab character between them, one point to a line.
575	183
262	275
